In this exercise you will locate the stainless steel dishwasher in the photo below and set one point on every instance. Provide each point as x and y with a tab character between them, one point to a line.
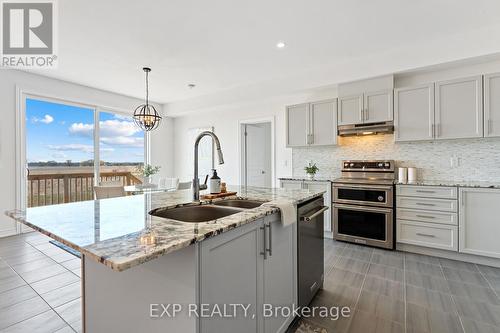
310	249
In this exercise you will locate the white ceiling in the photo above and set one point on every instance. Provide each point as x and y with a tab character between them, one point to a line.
225	45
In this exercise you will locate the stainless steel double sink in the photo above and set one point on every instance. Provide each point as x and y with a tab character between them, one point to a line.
208	212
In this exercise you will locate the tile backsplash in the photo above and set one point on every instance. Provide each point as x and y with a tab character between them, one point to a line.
467	159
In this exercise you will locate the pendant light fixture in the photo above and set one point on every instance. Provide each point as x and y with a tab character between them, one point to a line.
145	115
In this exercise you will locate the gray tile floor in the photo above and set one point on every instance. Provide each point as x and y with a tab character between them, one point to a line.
402	292
39	286
386	291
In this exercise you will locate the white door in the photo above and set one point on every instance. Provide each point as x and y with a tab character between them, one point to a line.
291	184
280	288
492	105
297	125
459	108
414	113
479	226
257	151
323	121
323	186
350	110
378	106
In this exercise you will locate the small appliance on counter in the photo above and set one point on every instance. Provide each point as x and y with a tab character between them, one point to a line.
363	203
402	175
412	175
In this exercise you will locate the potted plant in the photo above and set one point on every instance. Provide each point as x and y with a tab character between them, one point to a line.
311	170
147	171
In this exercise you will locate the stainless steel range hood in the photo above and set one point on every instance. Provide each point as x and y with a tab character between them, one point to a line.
366	129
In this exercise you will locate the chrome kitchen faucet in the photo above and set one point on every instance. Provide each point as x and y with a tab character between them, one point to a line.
196	180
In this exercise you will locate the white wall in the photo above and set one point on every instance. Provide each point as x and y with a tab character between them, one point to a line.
225	121
9	79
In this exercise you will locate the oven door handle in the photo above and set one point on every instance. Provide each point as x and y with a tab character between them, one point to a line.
362	186
363	209
314	213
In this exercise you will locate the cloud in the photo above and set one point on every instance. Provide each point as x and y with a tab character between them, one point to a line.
124	141
111	132
47	119
72	147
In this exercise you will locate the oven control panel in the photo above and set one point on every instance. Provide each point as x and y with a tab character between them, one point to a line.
352	165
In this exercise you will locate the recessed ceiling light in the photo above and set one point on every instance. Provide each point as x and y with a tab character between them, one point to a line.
191	85
280	45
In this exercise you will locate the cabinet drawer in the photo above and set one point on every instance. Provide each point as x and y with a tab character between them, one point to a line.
426	204
440	192
438	236
427	216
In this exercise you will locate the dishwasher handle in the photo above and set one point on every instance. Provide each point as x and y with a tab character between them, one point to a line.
313	213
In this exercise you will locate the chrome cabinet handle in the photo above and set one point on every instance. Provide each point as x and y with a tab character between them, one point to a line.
425	235
426	216
264	253
308	218
270	237
425	204
367	115
425	191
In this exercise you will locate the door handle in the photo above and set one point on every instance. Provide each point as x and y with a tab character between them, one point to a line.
308	218
270	238
264	253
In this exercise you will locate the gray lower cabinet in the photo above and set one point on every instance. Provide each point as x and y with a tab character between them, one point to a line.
479	225
427	216
233	270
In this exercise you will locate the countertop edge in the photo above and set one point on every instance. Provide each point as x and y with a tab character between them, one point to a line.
18	216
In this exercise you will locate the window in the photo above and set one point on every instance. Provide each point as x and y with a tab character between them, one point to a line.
61	159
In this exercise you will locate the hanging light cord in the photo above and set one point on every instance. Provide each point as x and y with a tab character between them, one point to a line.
147	88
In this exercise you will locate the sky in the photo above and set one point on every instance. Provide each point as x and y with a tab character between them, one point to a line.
60	132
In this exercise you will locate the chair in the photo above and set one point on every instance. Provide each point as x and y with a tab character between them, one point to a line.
105	192
184	185
170	183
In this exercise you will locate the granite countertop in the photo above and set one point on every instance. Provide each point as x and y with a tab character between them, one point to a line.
112	231
315	179
458	183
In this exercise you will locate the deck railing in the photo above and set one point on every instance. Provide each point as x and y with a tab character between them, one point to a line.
55	188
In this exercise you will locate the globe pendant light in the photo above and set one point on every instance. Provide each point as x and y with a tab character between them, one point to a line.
145	115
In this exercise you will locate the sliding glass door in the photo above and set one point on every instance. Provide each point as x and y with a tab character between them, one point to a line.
62	160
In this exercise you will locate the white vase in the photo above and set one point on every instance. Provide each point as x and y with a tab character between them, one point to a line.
310	176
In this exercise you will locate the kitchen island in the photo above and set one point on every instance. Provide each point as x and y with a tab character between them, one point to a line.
137	268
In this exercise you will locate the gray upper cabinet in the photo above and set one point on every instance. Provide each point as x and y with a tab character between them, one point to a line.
414	113
297	125
368	107
323	120
350	110
492	105
378	106
312	124
459	108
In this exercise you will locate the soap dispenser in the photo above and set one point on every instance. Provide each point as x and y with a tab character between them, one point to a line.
214	185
